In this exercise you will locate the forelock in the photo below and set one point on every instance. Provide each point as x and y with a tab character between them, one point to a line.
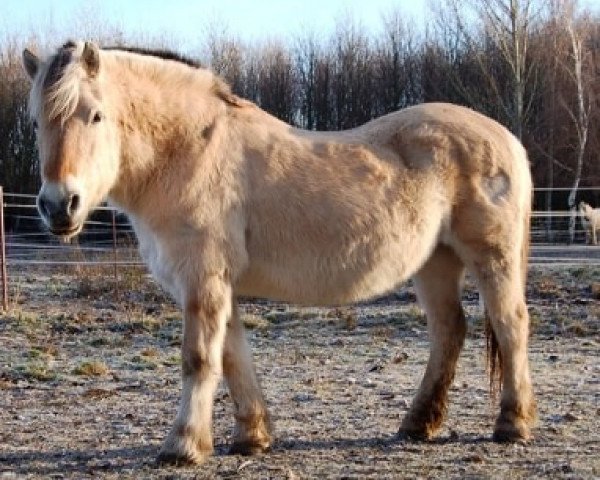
55	90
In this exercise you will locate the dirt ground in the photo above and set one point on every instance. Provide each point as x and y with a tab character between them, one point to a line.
90	379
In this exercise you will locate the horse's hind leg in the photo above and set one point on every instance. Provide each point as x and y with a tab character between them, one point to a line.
252	428
438	287
499	276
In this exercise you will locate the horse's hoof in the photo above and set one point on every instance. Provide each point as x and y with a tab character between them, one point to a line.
508	432
179	460
170	458
506	437
248	448
415	430
415	435
182	451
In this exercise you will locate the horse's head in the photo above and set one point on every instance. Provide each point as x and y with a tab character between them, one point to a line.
77	135
584	208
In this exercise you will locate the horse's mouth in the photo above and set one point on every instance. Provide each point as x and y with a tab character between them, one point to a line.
66	233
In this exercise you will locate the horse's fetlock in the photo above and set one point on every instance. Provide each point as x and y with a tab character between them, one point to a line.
186	444
252	433
420	427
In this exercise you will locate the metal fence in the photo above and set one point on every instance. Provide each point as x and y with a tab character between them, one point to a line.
108	241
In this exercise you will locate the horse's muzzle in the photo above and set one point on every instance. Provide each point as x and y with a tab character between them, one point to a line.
60	213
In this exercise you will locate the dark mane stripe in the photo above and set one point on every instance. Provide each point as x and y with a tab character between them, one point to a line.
60	60
164	54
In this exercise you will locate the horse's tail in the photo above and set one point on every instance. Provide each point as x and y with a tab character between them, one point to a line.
493	357
493	354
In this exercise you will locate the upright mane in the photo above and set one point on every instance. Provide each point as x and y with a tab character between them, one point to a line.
55	91
159	53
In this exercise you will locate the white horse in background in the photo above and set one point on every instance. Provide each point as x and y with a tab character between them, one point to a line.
590	220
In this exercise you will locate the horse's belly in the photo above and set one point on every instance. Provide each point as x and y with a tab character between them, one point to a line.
337	278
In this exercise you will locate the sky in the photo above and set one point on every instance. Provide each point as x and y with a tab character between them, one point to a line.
183	24
185	21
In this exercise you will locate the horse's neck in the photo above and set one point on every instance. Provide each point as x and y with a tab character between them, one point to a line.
157	131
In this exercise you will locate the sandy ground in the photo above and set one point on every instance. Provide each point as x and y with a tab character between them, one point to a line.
90	379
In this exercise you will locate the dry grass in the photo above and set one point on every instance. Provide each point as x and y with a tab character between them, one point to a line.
252	321
37	370
91	368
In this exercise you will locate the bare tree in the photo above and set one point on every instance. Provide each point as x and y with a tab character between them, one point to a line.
580	112
353	92
501	45
308	53
226	57
395	65
277	82
18	158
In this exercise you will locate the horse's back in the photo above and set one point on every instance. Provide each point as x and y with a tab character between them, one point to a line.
337	217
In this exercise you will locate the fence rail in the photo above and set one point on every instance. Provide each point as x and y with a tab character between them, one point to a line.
109	241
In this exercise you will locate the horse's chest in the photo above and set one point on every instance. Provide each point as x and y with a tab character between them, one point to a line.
154	254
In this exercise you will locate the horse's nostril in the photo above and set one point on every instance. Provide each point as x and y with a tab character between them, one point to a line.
73	204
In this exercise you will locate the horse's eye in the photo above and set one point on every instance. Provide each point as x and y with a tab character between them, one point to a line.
97	117
35	125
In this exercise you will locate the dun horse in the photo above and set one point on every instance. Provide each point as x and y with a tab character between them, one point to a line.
226	200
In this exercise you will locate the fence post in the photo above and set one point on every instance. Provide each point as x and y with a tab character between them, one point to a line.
114	233
3	254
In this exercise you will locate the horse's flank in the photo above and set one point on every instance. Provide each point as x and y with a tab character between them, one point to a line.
226	198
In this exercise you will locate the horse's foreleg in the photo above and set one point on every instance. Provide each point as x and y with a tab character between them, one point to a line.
206	311
252	432
438	286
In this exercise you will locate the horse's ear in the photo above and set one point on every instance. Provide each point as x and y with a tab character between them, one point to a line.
31	63
91	58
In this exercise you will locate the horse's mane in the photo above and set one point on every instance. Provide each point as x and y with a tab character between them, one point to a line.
56	87
159	53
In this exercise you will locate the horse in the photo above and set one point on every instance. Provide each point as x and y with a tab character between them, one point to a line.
227	201
590	220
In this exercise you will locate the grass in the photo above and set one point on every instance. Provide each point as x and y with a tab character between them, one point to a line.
43	352
91	368
142	362
150	352
172	360
535	321
28	323
578	328
37	370
252	322
100	342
